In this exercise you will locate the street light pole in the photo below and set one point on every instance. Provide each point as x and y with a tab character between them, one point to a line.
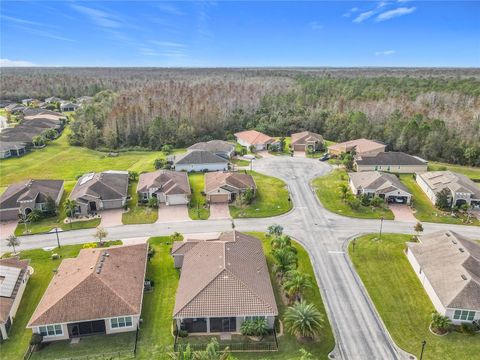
381	226
423	348
58	240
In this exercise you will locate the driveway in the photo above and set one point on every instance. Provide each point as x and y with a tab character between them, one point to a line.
219	211
402	212
299	154
172	213
264	154
111	218
7	228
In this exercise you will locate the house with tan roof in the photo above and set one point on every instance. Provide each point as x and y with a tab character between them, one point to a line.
98	292
461	189
169	187
223	282
14	275
222	187
306	139
448	266
253	137
362	147
376	183
220	148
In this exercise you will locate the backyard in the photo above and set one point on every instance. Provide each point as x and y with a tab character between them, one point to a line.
472	172
138	214
197	209
327	189
401	300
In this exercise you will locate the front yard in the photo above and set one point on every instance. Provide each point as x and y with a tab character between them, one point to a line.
138	214
197	209
327	189
401	300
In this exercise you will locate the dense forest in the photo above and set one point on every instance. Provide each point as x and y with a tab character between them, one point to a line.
434	113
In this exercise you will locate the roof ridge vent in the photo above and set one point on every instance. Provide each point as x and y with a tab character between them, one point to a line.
454	241
464	277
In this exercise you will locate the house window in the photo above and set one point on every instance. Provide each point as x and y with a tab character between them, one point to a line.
464	315
51	330
121	322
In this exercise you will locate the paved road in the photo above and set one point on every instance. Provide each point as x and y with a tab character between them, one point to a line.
359	332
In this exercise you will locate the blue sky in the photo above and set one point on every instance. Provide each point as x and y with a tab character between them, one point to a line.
248	33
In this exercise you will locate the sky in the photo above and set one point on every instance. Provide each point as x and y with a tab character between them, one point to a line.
240	33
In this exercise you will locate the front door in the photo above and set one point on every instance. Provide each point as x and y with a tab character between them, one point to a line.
74	330
93	206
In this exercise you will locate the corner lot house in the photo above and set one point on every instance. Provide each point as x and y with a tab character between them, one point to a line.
223	282
98	292
448	266
396	162
24	197
226	186
306	139
462	190
169	187
220	148
200	160
253	137
363	147
375	183
10	149
100	191
68	106
14	274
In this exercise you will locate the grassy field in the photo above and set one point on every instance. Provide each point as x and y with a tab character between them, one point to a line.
327	191
197	209
402	302
425	210
272	199
472	172
138	214
59	160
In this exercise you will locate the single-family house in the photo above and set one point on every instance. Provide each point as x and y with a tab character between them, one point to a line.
221	187
100	191
82	100
14	108
254	138
392	161
98	292
14	275
220	148
53	99
27	102
461	189
200	160
11	149
24	197
169	187
306	139
223	282
448	266
376	183
68	106
363	147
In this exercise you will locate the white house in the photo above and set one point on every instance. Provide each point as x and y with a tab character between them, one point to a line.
252	137
200	160
376	183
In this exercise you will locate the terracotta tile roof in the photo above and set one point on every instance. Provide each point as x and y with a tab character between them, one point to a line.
168	182
6	303
303	137
95	286
359	145
225	277
29	190
229	181
254	137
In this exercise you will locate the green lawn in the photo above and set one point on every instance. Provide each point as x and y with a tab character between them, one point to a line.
401	300
286	149
327	191
472	172
197	209
43	266
425	210
240	162
272	199
138	214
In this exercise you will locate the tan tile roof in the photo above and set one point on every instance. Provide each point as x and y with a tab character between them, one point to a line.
451	264
6	303
225	277
79	291
456	183
381	182
359	145
169	182
228	180
303	137
254	137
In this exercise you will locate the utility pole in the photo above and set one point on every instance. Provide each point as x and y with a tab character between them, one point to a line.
381	226
423	348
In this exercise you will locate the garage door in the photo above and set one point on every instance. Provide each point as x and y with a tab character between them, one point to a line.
176	199
219	198
299	147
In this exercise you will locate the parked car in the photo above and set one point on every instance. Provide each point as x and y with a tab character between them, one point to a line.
325	157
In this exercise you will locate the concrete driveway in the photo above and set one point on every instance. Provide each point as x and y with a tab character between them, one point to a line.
172	213
219	211
299	154
111	217
402	212
7	228
264	154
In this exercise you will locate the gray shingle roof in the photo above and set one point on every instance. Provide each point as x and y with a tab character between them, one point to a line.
390	158
375	180
108	185
213	146
198	157
29	190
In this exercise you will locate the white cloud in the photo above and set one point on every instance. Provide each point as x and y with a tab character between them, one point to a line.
314	25
387	15
364	16
385	53
168	8
168	44
351	11
99	17
15	63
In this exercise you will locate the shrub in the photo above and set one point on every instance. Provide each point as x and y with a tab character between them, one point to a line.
440	323
467	328
55	256
89	245
182	333
254	327
354	203
36	339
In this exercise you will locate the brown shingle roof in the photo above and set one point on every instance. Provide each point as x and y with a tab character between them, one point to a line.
6	303
225	277
169	182
301	138
78	291
254	137
229	180
29	190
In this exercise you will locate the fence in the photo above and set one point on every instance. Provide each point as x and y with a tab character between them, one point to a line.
122	354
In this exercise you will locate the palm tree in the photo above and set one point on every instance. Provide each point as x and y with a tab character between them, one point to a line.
295	284
343	190
275	229
440	322
13	241
303	320
283	241
35	215
70	206
285	260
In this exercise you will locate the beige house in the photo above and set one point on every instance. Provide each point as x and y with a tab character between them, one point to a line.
376	183
169	187
14	275
254	138
98	292
226	186
395	162
223	282
220	148
462	190
306	139
363	147
448	266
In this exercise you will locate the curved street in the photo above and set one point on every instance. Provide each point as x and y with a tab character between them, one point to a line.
359	331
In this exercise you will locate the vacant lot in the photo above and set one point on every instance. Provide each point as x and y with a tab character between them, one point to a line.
138	214
401	300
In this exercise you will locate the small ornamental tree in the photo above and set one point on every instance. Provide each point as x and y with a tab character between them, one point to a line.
418	228
247	196
153	202
275	230
443	200
100	235
13	242
167	149
343	188
440	323
159	163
